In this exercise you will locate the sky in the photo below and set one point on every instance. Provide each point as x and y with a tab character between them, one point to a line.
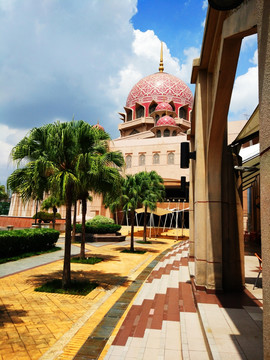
65	58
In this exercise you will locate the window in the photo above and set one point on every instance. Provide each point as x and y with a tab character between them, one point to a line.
166	133
158	133
129	114
183	113
174	133
139	111
128	161
152	107
171	158
141	160
156	159
156	118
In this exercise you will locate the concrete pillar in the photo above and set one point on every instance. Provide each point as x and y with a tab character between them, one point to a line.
263	29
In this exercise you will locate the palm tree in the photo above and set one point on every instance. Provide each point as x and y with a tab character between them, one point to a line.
3	194
131	199
97	168
153	191
52	202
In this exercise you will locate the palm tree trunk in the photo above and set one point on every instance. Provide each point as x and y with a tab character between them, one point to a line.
74	221
36	212
132	231
54	216
84	208
66	280
144	223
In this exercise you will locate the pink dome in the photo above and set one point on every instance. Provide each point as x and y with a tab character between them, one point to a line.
161	87
166	120
164	106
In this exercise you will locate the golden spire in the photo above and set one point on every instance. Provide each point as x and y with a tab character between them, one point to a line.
161	67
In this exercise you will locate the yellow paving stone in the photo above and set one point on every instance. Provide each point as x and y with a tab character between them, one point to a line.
40	320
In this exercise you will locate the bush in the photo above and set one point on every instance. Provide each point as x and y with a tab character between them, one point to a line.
98	229
99	219
21	241
45	216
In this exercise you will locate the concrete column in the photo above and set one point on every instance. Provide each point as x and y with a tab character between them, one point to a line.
263	28
198	168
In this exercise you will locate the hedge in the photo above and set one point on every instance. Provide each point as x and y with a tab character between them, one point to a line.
17	242
99	219
99	229
45	216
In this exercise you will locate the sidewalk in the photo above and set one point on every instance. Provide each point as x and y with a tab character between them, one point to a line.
145	308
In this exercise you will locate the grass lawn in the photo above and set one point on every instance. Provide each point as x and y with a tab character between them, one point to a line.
25	255
83	287
133	252
88	260
143	242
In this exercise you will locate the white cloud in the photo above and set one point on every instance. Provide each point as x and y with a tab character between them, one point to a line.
205	4
254	60
244	95
144	60
248	42
9	137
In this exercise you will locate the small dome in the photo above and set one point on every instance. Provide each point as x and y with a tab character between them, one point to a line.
99	127
166	120
164	106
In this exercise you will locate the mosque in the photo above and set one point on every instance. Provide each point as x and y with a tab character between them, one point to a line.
154	123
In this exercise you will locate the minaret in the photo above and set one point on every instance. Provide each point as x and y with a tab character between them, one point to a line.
161	67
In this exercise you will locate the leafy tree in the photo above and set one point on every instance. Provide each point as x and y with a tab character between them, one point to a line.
52	202
3	194
153	191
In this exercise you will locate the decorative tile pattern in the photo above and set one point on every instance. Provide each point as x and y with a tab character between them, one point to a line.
160	87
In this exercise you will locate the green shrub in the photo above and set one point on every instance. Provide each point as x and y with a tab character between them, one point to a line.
45	216
21	241
99	219
99	229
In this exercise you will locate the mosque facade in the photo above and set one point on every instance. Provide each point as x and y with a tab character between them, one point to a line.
155	119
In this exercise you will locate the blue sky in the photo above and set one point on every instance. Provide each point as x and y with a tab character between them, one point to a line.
60	58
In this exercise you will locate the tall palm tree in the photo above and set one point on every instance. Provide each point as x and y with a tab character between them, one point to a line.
153	191
97	168
131	199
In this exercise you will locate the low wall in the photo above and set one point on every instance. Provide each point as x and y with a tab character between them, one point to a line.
26	222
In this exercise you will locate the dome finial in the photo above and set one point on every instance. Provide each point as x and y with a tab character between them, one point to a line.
161	67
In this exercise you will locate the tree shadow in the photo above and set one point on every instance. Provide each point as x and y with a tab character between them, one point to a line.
104	280
11	315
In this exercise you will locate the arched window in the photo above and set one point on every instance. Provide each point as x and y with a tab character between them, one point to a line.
141	160
158	133
152	107
156	159
171	158
174	133
156	118
139	111
183	113
166	133
128	161
129	114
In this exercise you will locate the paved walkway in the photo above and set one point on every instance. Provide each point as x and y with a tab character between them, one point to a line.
146	307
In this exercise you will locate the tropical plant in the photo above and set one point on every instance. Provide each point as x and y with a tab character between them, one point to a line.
52	202
153	191
131	199
97	168
55	158
3	194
